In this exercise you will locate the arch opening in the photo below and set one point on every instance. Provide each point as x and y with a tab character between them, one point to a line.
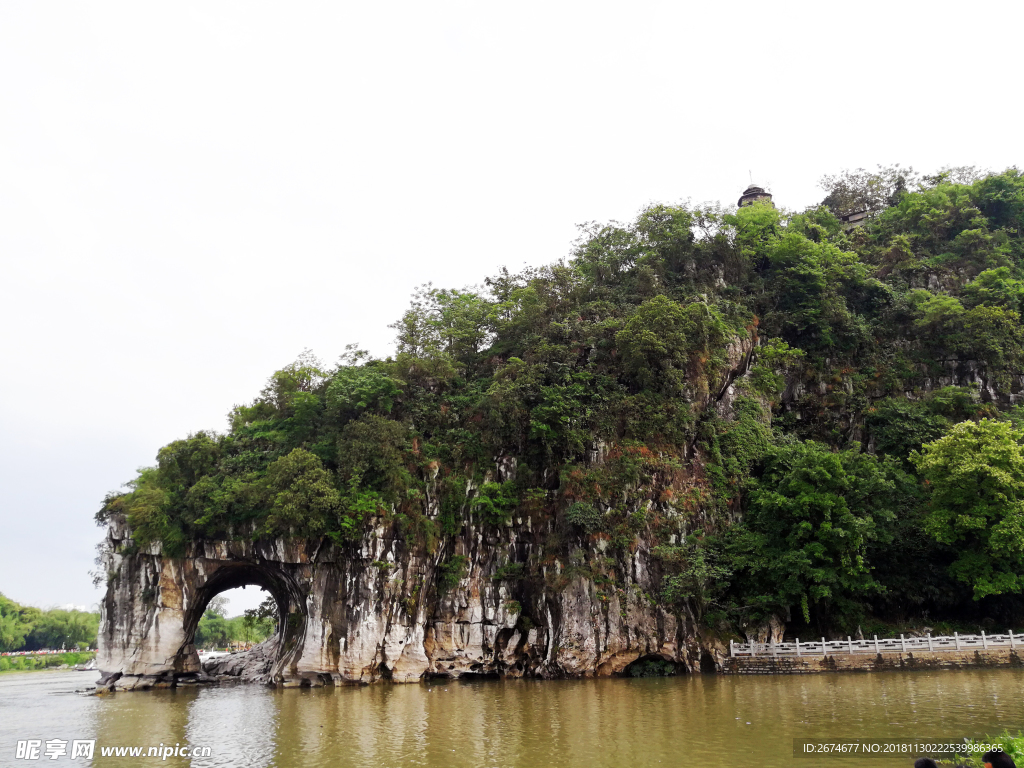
237	619
230	577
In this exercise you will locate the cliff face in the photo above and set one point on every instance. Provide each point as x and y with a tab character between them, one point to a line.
508	600
379	614
512	600
580	465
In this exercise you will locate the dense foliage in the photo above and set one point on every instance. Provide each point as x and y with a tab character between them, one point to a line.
25	628
802	419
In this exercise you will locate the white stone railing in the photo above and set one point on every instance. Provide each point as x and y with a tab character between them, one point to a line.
902	644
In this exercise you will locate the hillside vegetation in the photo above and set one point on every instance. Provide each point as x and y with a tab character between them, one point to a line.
800	422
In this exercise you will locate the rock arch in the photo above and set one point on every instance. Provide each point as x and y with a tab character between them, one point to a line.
153	605
373	610
225	575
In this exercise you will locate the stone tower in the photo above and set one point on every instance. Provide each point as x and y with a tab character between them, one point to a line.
753	194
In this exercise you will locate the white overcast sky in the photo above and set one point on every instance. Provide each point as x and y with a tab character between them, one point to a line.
192	193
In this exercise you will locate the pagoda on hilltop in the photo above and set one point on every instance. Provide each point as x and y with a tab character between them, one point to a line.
754	194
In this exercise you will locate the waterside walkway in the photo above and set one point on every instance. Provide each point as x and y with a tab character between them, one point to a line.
823	647
944	652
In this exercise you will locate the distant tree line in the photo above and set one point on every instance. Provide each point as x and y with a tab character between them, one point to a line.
25	628
216	630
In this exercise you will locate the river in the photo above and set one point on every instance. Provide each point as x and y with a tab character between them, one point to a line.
698	720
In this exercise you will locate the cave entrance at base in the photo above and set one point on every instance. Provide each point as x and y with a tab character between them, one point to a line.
653	665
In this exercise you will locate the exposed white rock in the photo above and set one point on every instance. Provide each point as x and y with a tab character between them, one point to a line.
343	622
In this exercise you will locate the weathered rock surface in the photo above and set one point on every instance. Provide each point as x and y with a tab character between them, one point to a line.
252	666
375	613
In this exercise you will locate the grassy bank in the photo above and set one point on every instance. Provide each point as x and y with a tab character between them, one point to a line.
49	661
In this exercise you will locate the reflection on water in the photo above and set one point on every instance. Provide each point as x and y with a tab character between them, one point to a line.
696	720
228	716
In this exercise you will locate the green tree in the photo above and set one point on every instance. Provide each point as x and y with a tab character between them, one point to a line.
810	517
495	502
27	628
455	323
696	576
994	336
974	476
899	425
214	629
372	450
758	228
771	360
292	391
149	509
303	377
304	499
663	341
260	622
862	190
12	632
354	389
935	312
812	285
995	288
12	628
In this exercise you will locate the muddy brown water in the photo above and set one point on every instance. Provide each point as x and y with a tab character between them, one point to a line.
698	720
